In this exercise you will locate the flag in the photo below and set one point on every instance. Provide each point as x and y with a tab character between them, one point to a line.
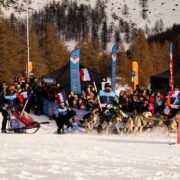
113	65
23	96
171	65
85	74
61	96
74	71
171	93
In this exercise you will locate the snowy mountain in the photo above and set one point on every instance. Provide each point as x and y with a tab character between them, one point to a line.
154	16
141	12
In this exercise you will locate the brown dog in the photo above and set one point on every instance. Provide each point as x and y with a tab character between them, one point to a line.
128	125
142	120
172	124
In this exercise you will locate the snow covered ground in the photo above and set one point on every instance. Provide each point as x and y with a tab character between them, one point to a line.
82	156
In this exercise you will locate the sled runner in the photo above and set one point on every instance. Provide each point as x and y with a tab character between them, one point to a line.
24	124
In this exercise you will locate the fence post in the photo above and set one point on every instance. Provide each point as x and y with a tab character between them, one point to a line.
178	139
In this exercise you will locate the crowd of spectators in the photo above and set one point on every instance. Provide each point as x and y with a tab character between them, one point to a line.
22	88
130	101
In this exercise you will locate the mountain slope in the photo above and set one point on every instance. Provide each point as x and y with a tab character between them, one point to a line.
152	10
168	11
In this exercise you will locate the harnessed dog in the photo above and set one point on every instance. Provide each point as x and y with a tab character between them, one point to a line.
141	121
90	119
112	116
172	124
128	125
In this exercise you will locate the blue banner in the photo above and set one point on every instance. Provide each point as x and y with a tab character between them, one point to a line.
113	65
74	71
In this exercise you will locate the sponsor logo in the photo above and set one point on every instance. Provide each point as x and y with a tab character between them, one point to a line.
74	59
114	57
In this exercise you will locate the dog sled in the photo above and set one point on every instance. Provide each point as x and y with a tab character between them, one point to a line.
24	123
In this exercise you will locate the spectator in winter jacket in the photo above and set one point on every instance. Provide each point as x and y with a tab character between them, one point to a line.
4	88
80	104
71	99
138	89
6	116
159	103
11	96
18	88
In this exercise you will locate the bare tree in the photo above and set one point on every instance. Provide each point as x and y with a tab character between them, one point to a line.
125	10
18	5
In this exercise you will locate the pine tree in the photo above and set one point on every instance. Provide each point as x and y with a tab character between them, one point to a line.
144	14
117	36
147	29
165	56
140	53
54	51
159	56
2	38
158	27
104	35
125	10
94	32
90	53
39	66
155	57
16	4
11	50
123	65
143	3
105	67
176	49
127	33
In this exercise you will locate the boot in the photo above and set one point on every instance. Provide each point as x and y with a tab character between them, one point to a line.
59	131
3	131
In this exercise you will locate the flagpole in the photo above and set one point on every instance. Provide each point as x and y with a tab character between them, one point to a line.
24	107
171	65
99	102
26	104
94	84
28	47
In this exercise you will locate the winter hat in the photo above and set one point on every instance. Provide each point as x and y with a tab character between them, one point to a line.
11	88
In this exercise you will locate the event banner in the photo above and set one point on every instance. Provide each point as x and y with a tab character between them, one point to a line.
29	69
74	71
113	65
171	65
135	73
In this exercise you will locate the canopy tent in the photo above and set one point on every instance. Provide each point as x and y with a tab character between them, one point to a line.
160	82
62	76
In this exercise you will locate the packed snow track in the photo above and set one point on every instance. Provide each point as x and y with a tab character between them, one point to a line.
81	156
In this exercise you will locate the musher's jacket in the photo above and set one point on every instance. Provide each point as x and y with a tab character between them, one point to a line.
63	111
107	97
11	98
